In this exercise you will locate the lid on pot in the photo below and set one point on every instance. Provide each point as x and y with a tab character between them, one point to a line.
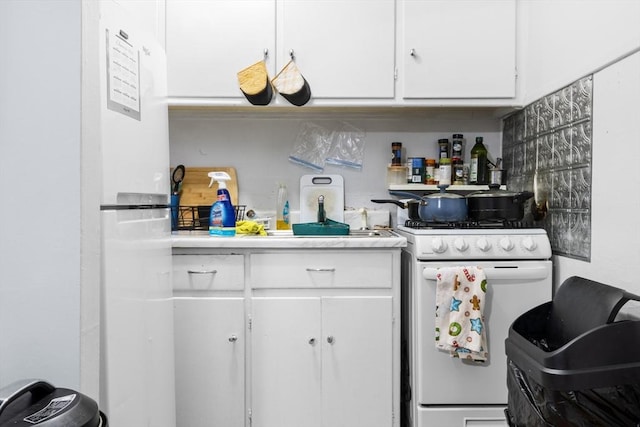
443	194
493	191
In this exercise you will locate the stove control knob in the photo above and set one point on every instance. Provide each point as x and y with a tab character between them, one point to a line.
483	244
438	245
460	244
506	244
529	244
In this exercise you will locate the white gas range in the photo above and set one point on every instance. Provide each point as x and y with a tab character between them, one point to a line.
442	391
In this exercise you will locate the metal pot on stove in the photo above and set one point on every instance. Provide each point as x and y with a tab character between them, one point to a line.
435	207
497	205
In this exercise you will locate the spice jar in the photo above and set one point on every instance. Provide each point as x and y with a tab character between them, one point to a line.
396	153
443	147
457	147
458	172
430	171
445	171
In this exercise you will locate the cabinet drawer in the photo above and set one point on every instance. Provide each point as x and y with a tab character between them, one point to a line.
208	272
322	270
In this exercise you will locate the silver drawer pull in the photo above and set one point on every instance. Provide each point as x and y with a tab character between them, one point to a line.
322	269
330	339
312	341
233	338
202	271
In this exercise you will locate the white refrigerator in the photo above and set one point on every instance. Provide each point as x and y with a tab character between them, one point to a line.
136	334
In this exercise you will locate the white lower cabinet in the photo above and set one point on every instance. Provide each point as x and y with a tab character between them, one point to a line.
322	361
210	361
287	338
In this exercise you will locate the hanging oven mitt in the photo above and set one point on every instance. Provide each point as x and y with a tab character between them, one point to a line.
255	85
461	293
293	87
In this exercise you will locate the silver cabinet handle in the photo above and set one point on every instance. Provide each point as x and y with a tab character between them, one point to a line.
312	341
412	52
202	271
233	338
322	269
330	339
266	53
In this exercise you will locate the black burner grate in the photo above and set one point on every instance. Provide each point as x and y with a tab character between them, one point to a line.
470	225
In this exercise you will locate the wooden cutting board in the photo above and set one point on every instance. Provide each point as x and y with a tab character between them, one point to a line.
331	187
196	190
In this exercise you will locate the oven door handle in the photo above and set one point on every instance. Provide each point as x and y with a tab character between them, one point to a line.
511	272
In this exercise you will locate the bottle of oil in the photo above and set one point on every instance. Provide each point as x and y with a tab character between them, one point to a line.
479	167
282	208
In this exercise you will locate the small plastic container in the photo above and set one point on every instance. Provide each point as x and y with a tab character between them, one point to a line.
397	174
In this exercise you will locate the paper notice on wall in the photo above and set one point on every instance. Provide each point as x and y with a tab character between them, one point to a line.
123	74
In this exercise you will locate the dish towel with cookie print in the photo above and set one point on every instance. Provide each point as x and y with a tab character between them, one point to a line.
460	297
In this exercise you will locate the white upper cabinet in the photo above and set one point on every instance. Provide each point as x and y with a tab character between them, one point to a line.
351	52
208	42
457	49
344	48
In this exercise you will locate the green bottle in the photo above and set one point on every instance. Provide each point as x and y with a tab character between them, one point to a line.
479	168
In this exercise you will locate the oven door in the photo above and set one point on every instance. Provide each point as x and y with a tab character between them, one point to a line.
513	288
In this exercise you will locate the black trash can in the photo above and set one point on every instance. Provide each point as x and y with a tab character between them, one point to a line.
571	363
38	403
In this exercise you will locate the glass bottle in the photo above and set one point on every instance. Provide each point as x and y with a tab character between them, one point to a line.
282	209
479	167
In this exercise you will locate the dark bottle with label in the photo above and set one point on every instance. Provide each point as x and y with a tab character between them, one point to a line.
396	153
479	167
457	147
443	148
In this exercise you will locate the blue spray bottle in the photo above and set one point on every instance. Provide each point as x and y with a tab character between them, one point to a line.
222	221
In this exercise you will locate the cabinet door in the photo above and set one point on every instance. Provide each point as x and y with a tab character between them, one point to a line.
209	41
286	364
458	48
357	362
209	350
344	48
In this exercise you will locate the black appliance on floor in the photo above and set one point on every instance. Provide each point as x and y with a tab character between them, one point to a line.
572	362
38	403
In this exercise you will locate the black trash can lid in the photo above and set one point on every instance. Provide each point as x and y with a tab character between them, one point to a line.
38	403
581	305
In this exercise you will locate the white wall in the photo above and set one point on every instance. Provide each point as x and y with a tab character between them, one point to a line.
258	143
40	172
615	234
563	40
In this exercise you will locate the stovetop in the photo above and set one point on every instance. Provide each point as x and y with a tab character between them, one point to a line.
471	241
468	225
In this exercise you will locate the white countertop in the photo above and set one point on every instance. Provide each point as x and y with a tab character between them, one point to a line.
201	239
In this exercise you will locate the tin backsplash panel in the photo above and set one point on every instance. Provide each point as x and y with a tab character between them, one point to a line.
547	150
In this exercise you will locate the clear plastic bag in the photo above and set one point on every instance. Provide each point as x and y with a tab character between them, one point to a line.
347	148
311	146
